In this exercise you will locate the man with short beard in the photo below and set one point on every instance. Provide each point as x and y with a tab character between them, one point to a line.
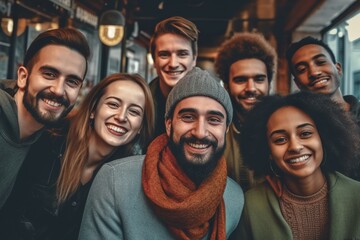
314	67
179	189
247	64
47	86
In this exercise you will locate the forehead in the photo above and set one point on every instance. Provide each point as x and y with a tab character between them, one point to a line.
62	58
201	104
248	66
172	41
126	90
288	117
307	52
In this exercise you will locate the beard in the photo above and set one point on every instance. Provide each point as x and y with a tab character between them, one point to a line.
199	168
49	118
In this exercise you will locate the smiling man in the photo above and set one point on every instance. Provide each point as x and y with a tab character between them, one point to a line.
246	63
315	69
47	86
174	51
179	189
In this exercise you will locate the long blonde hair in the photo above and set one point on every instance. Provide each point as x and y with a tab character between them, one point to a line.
77	142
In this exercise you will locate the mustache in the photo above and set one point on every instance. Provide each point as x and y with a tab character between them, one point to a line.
192	139
53	97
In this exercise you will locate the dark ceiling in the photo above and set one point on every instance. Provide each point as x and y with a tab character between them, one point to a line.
215	19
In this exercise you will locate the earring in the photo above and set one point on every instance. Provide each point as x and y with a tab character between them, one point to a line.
272	169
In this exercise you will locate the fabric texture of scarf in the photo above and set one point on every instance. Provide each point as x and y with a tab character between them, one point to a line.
187	211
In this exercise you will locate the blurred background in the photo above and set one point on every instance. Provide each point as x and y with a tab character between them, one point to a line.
280	21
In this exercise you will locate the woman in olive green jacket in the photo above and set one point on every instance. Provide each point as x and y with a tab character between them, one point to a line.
300	143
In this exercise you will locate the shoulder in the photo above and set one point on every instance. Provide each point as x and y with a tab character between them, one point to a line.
8	86
131	162
233	190
340	182
154	84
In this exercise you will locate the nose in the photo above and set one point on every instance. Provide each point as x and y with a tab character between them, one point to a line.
200	130
173	61
295	146
58	87
250	85
121	115
314	72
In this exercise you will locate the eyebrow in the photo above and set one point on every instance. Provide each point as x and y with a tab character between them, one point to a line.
211	112
283	131
314	57
249	75
118	99
52	69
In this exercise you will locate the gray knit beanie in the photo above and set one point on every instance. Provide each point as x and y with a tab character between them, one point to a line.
199	82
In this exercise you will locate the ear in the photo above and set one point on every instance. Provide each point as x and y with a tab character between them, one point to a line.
194	62
339	68
92	115
168	126
23	75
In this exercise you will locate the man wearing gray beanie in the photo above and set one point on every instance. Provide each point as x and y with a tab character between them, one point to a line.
180	188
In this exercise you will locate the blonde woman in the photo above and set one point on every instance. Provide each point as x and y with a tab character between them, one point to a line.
116	119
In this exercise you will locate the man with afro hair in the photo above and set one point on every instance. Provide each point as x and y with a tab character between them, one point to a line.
247	64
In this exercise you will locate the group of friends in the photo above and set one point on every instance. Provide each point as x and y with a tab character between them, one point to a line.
183	157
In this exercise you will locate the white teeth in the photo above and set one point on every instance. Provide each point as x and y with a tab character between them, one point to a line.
52	103
174	73
321	82
116	129
199	146
299	159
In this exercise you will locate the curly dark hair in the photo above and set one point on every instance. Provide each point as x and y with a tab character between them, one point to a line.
340	135
306	41
243	46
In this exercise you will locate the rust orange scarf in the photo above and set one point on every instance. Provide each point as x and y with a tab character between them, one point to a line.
185	209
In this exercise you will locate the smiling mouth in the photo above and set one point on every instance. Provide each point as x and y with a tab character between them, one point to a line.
319	83
299	159
51	102
115	129
173	73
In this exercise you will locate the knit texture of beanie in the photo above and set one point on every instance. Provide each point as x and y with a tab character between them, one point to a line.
198	82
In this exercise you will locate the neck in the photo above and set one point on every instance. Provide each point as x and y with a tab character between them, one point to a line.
27	124
165	89
305	186
97	154
97	151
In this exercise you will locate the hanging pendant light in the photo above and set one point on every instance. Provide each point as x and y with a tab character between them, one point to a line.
111	30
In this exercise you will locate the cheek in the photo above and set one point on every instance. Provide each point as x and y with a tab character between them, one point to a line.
72	94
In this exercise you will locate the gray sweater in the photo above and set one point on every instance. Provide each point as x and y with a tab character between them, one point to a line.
12	149
117	208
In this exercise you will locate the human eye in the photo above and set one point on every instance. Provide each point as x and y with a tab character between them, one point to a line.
135	112
305	134
163	54
215	120
74	83
240	79
260	79
321	61
49	74
279	140
183	53
187	117
300	69
112	104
